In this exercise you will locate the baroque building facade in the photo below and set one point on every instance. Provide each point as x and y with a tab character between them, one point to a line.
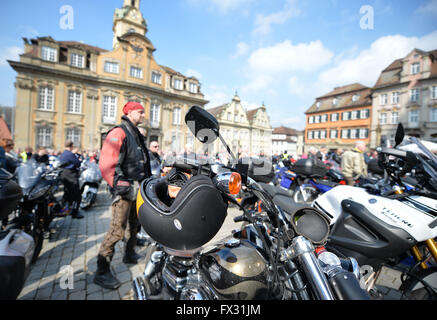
339	118
246	132
68	90
406	92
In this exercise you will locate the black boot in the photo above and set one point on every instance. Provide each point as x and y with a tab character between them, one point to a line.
76	215
104	277
131	257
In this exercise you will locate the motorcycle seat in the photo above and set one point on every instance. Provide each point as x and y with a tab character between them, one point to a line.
273	190
287	204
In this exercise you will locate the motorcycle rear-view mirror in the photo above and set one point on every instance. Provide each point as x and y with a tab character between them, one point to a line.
400	134
202	124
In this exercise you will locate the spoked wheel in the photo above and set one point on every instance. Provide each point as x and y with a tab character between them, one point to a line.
415	289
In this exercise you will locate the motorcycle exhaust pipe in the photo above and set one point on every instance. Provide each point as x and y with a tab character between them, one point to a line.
303	250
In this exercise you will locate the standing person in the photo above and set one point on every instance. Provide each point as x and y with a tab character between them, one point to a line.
155	159
70	178
353	164
124	162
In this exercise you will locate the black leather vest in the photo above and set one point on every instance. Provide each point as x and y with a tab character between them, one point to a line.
136	162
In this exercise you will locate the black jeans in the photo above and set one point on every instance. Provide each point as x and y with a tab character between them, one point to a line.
72	196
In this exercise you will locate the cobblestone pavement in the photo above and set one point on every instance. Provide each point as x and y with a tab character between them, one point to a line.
74	247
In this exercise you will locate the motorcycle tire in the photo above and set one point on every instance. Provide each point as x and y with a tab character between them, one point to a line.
38	237
311	195
413	289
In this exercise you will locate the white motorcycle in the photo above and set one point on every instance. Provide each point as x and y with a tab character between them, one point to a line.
390	224
89	182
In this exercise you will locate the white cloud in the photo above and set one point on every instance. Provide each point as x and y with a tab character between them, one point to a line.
286	57
257	83
217	95
366	66
297	87
430	7
10	53
193	73
263	23
242	49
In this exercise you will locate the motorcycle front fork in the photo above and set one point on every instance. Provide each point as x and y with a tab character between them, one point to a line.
432	247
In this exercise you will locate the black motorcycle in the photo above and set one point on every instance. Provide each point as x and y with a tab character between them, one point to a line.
271	257
38	205
16	247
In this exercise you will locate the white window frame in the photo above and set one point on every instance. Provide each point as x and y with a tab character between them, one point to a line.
353	134
434	92
49	54
178	84
334	117
383	99
364	133
383	118
155	115
364	113
324	118
355	97
323	134
73	134
345	133
345	116
433	115
156	77
310	135
395	97
109	109
335	101
317	119
177	111
415	68
77	60
311	120
74	104
136	72
414	95
112	67
395	117
316	134
192	87
333	134
46	98
413	118
44	136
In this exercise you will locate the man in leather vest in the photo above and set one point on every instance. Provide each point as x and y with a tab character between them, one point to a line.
124	162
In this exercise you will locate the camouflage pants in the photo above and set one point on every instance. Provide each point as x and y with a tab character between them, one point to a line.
124	221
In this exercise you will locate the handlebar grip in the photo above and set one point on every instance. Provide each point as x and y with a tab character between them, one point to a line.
240	218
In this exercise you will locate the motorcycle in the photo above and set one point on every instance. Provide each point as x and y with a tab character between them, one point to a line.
390	224
89	182
16	247
271	257
38	205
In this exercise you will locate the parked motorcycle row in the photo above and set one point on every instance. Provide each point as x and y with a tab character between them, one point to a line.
276	255
28	204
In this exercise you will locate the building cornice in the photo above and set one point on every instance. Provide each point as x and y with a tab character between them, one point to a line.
97	80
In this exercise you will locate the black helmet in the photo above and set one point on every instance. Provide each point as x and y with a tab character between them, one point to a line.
187	222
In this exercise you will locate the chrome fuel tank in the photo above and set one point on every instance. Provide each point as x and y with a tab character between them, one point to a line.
236	270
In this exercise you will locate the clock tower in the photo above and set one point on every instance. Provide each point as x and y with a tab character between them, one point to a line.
128	19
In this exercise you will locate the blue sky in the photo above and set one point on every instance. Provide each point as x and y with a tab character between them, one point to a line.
284	53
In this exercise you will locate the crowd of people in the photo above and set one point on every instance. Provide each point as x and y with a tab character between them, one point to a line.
352	163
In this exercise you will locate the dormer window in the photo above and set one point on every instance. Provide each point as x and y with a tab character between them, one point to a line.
156	77
318	105
355	97
48	54
76	60
178	84
192	87
335	101
415	68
